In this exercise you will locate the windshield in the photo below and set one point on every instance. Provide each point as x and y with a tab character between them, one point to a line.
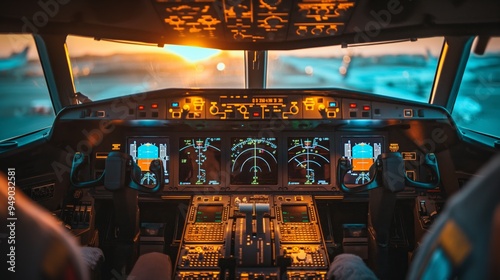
25	104
478	99
402	70
104	69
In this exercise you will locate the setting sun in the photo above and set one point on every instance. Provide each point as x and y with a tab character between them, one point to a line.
192	54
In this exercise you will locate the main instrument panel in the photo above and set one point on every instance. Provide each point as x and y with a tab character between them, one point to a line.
245	161
234	162
265	140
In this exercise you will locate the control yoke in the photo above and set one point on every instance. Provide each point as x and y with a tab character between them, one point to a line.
388	171
120	170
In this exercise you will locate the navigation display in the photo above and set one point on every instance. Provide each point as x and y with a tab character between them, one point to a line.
308	161
199	161
143	150
295	213
209	214
254	161
362	153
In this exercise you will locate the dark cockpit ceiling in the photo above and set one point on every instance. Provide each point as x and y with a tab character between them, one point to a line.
252	24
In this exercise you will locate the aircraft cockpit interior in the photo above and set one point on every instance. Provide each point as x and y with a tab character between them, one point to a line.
249	139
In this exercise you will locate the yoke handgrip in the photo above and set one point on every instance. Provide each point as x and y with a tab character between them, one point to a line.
343	167
388	171
156	167
122	171
431	162
78	160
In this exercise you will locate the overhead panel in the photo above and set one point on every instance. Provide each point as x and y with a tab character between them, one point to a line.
191	19
253	20
319	18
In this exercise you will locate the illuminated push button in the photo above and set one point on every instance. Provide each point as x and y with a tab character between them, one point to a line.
256	114
154	106
353	105
175	104
140	107
309	104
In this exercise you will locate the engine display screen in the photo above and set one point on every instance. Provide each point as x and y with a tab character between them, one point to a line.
209	214
199	161
294	213
254	161
143	150
362	153
308	161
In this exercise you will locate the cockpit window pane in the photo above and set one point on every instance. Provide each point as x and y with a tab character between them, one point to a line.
104	69
25	102
478	99
402	70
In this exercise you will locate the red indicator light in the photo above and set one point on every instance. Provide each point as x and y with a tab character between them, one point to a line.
256	114
366	108
353	105
141	107
154	106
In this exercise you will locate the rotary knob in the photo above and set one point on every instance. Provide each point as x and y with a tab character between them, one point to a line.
302	31
242	109
214	110
317	31
302	255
